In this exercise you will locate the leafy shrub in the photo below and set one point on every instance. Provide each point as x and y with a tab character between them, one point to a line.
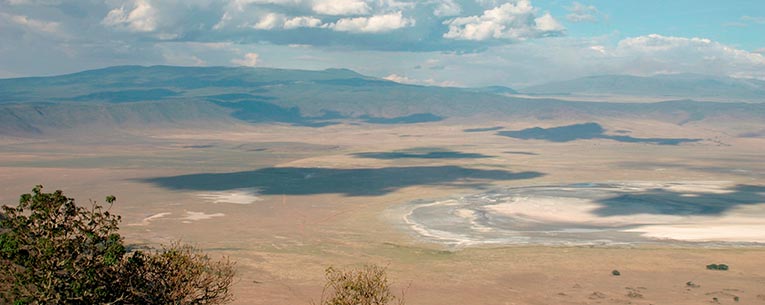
176	275
55	252
366	286
721	267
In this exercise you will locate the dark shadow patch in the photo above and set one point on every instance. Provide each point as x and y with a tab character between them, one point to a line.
408	119
358	82
521	153
493	90
584	131
197	82
558	134
350	182
199	146
420	155
657	141
264	112
665	202
330	115
284	147
126	96
483	129
752	134
230	97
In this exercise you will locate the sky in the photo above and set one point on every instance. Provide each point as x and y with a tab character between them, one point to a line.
465	43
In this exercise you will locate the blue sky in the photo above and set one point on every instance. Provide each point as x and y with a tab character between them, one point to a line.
433	42
717	20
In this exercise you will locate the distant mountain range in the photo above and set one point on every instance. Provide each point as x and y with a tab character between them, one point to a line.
124	96
683	86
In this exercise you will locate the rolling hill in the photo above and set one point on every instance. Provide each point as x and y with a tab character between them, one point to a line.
125	96
682	86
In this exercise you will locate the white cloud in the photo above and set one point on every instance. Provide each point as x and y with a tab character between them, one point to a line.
270	21
548	24
688	55
655	43
599	49
752	19
445	83
430	81
302	22
446	8
34	24
373	24
210	45
582	13
278	21
510	21
142	17
399	79
249	60
340	7
541	61
395	5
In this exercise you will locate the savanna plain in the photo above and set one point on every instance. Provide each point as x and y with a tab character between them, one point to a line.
287	201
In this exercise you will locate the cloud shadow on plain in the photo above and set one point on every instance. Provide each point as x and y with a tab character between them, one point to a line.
420	155
350	182
585	131
665	202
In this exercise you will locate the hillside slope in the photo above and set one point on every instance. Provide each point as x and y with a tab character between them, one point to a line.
165	95
682	86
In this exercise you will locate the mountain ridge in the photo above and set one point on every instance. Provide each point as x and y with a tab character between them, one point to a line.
162	95
685	85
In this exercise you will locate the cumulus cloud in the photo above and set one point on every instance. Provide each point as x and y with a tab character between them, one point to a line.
34	24
473	42
445	8
510	21
302	22
582	13
278	21
340	7
141	18
249	60
270	21
541	61
373	24
657	53
329	22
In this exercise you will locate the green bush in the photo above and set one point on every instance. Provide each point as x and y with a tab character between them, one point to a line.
721	267
55	252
